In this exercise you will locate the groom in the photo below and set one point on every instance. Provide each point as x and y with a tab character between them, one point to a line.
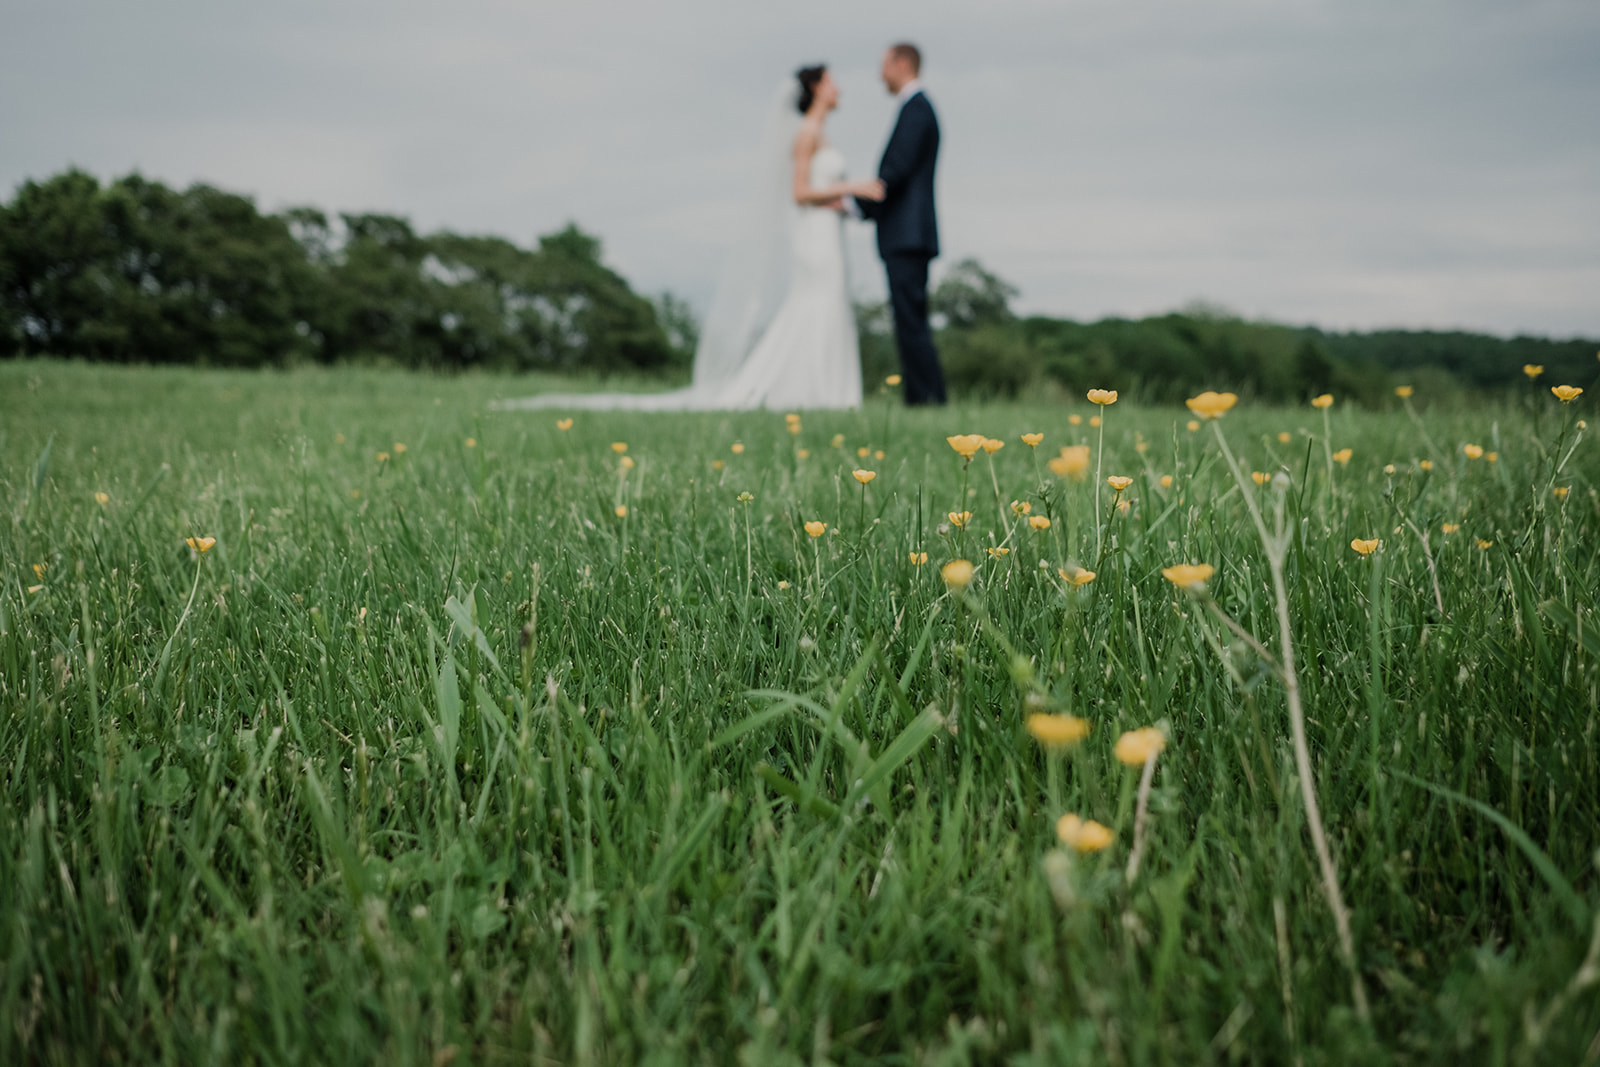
908	233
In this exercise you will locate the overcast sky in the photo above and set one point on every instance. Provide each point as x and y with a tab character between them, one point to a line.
1350	163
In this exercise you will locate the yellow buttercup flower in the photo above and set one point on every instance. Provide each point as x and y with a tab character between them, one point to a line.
966	444
383	457
1166	481
35	588
1073	462
1083	835
563	424
1057	731
471	442
1260	477
892	380
1188	575
1366	548
1492	457
791	416
399	448
1021	507
1209	405
863	452
1388	468
816	528
1102	397
1449	527
737	448
1560	491
1473	451
863	476
992	445
802	453
627	463
1566	393
1039	522
996	553
39	568
1532	370
1323	401
1403	391
837	441
1032	439
621	511
878	454
1094	420
1192	426
959	519
1285	437
1136	747
1077	576
102	498
745	497
1426	464
782	584
619	447
1482	544
794	426
1075	420
338	438
1343	455
956	574
1119	482
200	544
918	558
718	464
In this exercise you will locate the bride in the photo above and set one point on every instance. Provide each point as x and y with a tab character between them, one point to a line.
780	332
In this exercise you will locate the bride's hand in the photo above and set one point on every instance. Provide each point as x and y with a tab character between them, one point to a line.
872	189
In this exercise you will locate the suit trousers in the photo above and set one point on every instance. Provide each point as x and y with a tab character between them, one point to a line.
908	296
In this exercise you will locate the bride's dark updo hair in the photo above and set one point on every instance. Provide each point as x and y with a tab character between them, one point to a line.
809	77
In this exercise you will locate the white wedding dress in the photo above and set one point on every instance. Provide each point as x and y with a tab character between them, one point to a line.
809	356
802	356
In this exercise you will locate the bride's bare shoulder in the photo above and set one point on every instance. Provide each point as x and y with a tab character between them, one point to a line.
808	138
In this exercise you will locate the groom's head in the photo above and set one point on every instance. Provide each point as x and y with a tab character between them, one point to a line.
901	65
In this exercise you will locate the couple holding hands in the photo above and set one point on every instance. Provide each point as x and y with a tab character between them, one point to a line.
781	332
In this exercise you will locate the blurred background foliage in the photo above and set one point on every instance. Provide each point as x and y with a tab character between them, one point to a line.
136	272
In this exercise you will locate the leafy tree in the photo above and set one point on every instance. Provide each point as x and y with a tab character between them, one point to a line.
969	296
136	271
57	266
594	317
681	327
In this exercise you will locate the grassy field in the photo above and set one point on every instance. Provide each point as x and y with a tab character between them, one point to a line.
477	740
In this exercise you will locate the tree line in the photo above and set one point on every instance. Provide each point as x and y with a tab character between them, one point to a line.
135	271
1164	358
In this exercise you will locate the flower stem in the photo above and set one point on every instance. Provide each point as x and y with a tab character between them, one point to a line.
166	651
1327	451
1099	459
1140	811
1277	551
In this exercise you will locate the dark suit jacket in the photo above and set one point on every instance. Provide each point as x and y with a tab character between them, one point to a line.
905	217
